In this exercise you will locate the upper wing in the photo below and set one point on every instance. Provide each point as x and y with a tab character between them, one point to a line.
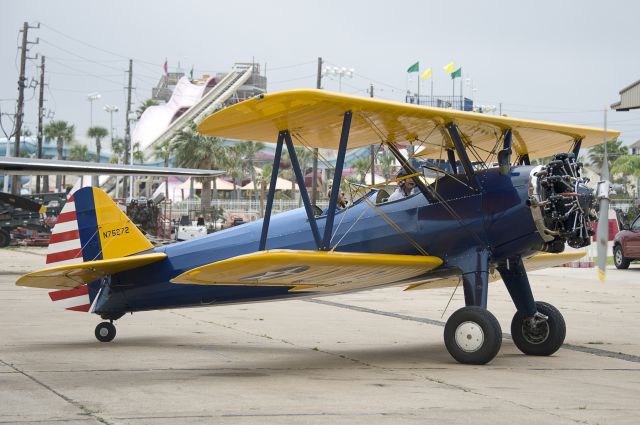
74	275
32	166
314	118
305	269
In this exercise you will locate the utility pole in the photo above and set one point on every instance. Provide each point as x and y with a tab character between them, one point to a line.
127	133
373	149
314	177
40	117
15	189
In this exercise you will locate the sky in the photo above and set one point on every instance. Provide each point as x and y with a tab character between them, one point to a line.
561	61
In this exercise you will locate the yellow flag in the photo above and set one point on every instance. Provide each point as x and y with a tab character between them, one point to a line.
426	74
449	68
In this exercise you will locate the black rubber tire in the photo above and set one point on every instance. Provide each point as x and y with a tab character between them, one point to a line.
491	334
544	341
5	238
619	259
105	332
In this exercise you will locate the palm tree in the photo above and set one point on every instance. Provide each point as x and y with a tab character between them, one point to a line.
97	133
263	179
138	155
143	107
192	149
250	149
305	158
234	163
80	153
163	151
62	132
117	149
387	165
362	166
614	150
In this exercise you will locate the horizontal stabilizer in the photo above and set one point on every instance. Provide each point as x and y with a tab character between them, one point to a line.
536	262
308	269
71	276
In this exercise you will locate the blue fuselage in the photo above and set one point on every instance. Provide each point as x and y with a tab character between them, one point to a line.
495	217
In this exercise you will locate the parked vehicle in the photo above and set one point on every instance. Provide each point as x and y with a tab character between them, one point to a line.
626	245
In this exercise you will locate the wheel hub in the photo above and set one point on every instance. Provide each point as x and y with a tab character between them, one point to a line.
104	332
469	336
535	331
618	256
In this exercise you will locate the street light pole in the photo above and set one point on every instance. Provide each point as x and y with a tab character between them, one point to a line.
91	97
111	109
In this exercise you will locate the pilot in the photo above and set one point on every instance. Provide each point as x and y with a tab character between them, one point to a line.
341	203
405	188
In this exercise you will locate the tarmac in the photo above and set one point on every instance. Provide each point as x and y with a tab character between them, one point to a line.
369	357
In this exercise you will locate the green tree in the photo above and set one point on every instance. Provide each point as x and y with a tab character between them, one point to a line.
97	133
192	149
615	149
235	166
117	150
249	150
62	132
80	153
138	155
163	151
387	164
143	107
362	166
263	180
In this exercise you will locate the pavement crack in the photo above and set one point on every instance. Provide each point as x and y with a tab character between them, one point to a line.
85	410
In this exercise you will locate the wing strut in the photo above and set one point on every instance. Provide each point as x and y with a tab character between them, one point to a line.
272	192
301	185
335	189
285	137
462	155
577	143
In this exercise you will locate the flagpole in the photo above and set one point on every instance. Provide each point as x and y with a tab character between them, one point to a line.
461	95
432	90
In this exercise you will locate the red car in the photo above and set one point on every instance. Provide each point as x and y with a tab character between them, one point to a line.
626	245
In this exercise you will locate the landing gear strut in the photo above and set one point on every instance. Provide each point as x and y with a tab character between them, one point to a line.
105	331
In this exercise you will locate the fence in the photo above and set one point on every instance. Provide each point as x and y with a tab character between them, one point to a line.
249	208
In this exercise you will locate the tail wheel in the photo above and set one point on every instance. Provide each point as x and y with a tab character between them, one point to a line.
5	238
539	336
105	331
473	335
619	259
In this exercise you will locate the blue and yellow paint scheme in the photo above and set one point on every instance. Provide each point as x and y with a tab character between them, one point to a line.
461	228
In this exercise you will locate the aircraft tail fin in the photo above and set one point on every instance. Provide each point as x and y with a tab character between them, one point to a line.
90	227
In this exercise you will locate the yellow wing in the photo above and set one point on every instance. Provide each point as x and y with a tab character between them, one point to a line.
536	262
314	118
310	269
74	275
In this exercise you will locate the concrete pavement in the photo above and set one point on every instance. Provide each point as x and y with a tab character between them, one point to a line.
368	357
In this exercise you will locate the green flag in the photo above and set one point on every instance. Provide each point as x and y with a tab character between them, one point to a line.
456	74
414	68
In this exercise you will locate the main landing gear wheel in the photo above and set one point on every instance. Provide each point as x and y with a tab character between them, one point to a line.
618	258
541	335
472	335
105	331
